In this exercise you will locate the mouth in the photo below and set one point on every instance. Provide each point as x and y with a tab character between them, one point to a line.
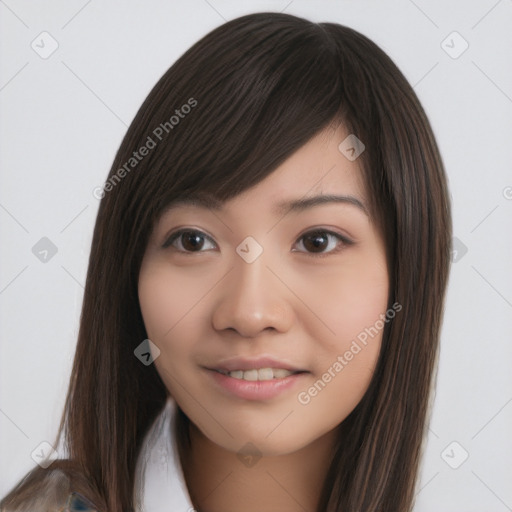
256	369
263	378
259	374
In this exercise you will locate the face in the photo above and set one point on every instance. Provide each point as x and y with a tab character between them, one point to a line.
268	310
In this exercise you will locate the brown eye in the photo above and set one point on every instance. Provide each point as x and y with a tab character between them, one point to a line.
192	241
316	242
322	242
189	240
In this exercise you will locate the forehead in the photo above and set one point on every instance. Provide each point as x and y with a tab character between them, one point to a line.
318	172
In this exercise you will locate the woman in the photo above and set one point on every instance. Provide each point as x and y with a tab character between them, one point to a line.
267	275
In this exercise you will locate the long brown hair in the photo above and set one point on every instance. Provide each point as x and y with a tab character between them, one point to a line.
256	89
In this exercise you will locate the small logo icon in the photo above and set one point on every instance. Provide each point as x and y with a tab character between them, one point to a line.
454	45
44	250
147	352
459	249
249	250
351	147
45	45
249	455
454	455
44	454
507	193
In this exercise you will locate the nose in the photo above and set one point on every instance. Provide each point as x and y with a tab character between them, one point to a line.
252	300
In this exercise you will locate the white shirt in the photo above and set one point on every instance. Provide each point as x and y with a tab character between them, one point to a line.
164	488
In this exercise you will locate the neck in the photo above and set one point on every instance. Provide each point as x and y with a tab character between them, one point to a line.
222	481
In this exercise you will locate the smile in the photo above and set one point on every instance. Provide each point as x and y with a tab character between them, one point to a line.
259	374
257	384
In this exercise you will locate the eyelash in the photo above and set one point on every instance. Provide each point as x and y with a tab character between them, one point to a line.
345	242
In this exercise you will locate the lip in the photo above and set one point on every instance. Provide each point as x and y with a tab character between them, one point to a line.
242	363
255	390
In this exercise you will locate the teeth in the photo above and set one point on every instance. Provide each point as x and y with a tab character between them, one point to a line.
265	374
279	373
250	375
261	374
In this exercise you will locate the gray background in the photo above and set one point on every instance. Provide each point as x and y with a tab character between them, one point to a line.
63	117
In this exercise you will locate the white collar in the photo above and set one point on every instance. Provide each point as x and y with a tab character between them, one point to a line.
159	482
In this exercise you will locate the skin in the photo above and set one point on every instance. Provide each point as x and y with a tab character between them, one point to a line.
297	302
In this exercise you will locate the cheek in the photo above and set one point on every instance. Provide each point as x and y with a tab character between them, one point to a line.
355	310
169	297
333	394
345	362
352	305
347	300
173	305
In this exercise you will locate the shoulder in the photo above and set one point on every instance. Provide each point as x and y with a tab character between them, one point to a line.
58	487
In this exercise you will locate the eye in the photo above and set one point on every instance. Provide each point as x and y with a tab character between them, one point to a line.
189	240
321	241
317	242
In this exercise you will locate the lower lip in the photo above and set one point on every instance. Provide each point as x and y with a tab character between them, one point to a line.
256	390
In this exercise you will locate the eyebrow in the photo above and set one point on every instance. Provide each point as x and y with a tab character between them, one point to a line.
282	208
304	203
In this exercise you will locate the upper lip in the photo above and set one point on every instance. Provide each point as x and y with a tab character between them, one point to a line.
241	363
